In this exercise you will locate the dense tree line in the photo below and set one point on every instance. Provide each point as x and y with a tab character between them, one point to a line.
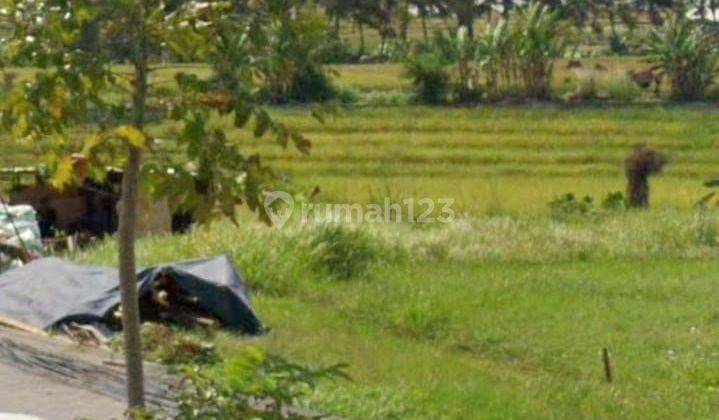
391	17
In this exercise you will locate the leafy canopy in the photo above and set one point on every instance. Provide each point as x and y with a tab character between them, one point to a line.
79	85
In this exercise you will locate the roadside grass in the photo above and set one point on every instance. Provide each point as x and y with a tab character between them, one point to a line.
493	316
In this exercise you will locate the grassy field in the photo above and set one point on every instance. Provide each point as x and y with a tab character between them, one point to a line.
503	312
496	317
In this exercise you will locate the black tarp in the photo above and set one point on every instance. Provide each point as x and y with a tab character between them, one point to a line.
50	292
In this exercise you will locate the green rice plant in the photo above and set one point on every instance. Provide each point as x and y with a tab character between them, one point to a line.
686	54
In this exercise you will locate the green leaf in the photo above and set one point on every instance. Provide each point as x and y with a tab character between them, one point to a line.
243	112
63	174
134	137
262	123
302	143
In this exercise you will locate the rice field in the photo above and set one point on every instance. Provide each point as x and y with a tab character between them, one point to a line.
513	159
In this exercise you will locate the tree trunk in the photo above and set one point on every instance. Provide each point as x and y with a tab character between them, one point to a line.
336	30
423	15
127	225
404	25
612	19
362	47
466	18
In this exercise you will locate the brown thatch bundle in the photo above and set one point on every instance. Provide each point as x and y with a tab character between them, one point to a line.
640	165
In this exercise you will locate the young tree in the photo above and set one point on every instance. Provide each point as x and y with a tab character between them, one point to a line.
77	90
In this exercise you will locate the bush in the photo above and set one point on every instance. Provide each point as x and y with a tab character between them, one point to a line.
587	89
337	52
253	384
568	205
622	89
618	44
175	347
342	252
430	76
445	70
311	85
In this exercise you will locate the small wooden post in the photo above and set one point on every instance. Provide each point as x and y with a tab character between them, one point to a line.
607	365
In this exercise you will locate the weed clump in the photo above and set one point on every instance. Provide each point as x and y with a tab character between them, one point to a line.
174	347
342	252
568	206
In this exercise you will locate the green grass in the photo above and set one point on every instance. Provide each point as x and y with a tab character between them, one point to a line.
487	317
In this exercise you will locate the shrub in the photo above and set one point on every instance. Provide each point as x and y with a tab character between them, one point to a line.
445	69
618	44
430	76
253	384
587	89
311	85
336	52
175	347
687	54
342	252
615	201
568	205
623	89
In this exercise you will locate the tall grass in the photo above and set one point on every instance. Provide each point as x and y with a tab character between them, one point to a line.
275	260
